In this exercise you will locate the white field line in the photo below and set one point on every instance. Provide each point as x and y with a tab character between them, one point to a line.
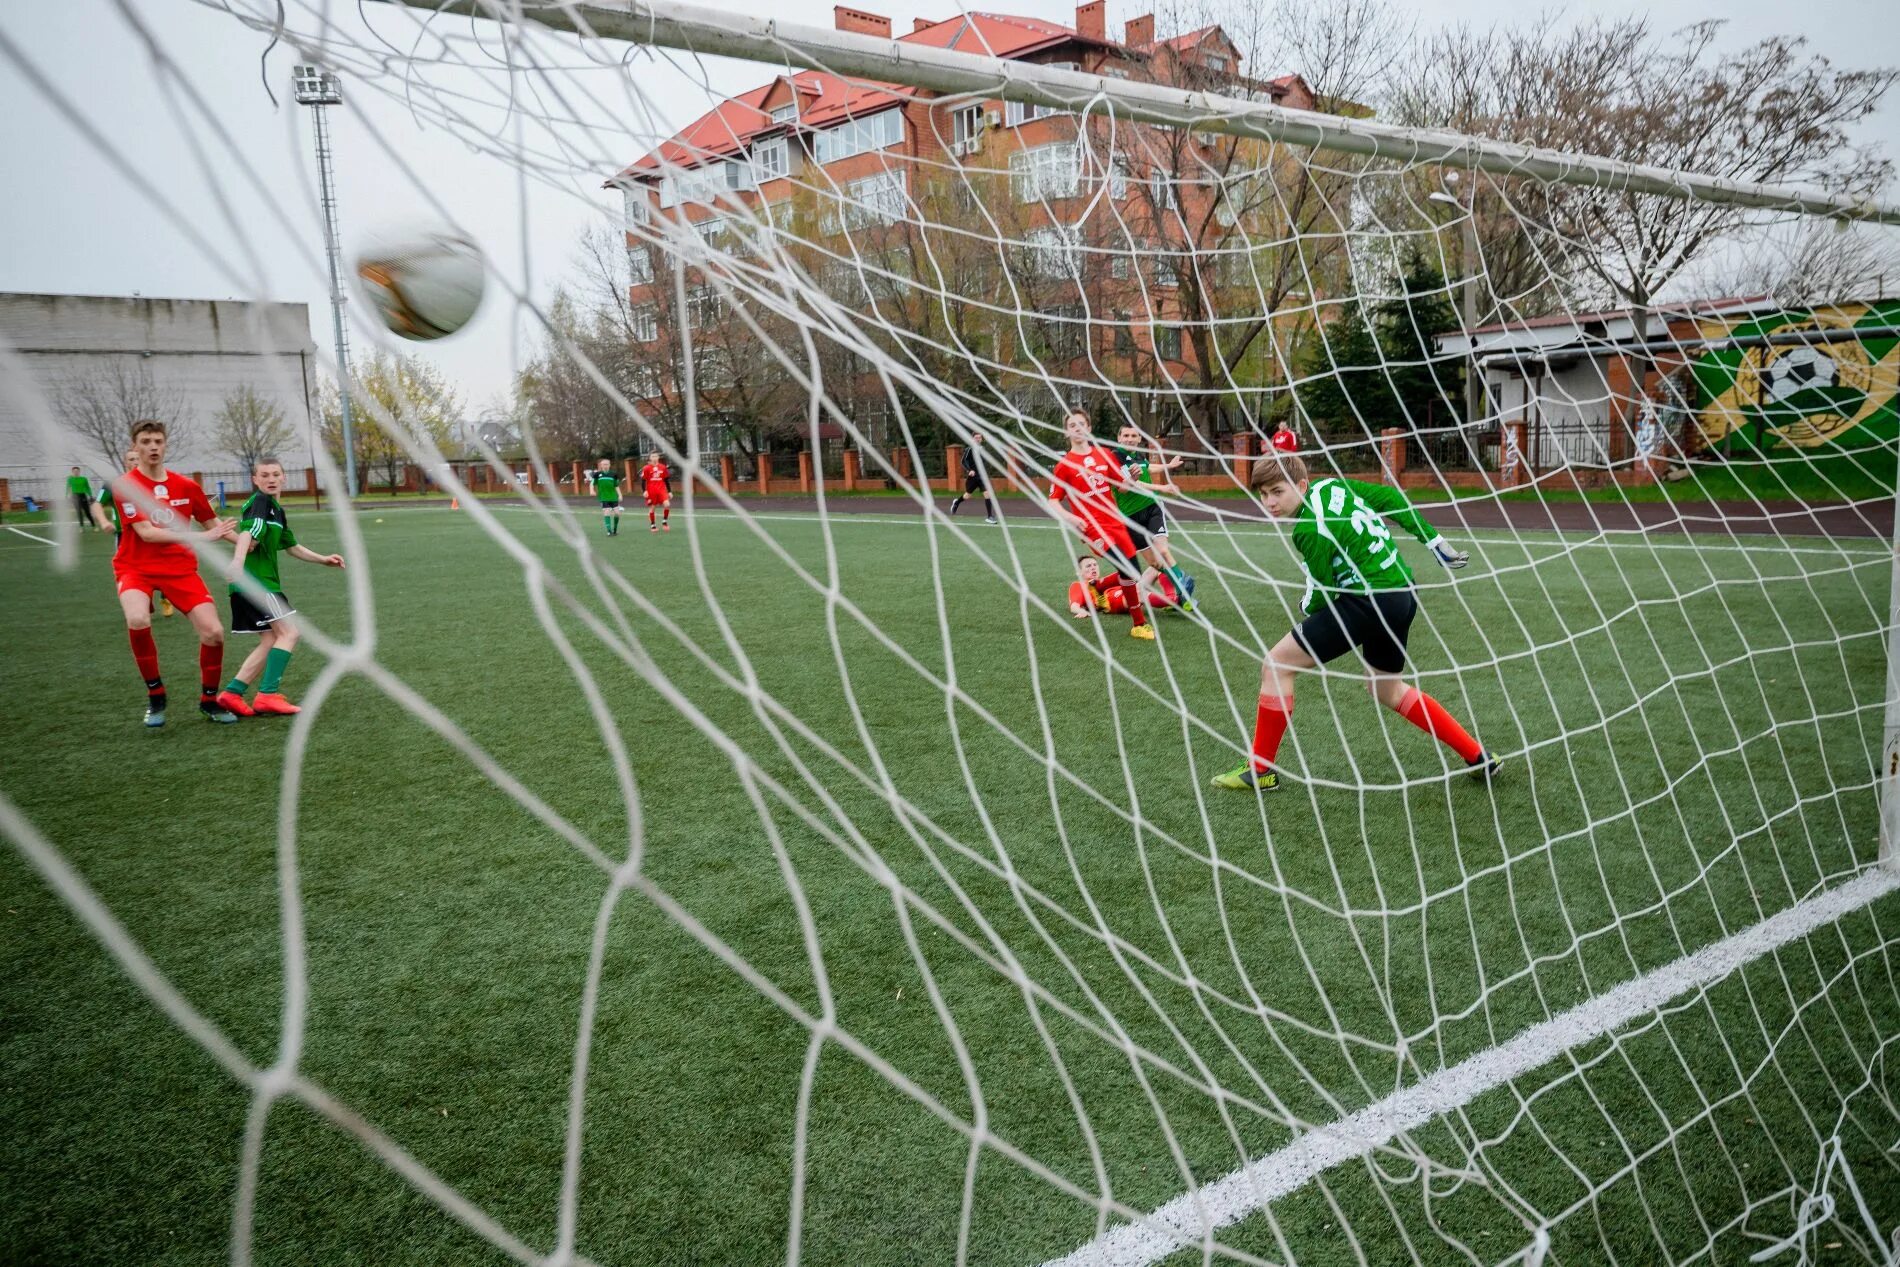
1530	537
29	536
1190	1219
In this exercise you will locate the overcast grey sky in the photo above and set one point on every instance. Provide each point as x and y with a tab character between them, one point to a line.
75	221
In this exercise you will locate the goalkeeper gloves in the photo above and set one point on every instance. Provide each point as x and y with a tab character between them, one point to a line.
1453	559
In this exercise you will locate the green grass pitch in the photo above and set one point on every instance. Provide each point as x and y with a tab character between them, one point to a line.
1691	734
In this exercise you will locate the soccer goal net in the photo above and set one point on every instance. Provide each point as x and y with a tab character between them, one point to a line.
841	876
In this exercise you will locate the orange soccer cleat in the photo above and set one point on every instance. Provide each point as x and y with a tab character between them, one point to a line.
232	702
275	706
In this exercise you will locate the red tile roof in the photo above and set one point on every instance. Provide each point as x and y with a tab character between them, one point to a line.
727	127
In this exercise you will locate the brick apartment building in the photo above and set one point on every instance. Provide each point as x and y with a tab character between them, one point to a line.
1019	254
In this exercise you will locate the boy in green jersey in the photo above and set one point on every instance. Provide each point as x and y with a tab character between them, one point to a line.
607	487
1358	595
1147	525
264	533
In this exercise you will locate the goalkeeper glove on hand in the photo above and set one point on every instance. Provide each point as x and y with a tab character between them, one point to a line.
1453	559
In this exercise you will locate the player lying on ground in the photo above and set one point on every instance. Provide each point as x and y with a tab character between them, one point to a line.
1082	493
1147	525
1359	595
263	533
606	486
654	475
154	550
1093	592
975	480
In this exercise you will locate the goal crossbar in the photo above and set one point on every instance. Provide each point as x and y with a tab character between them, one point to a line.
718	32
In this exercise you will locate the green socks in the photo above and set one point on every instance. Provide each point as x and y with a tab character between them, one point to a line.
237	686
275	662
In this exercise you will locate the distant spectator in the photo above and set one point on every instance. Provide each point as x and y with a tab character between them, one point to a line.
1284	440
81	490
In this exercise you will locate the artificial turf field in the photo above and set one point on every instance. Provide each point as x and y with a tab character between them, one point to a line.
1691	732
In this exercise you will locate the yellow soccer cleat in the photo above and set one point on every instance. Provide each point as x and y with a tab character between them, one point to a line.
1144	632
1247	778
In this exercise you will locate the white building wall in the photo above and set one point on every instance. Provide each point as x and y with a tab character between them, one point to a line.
1566	411
203	349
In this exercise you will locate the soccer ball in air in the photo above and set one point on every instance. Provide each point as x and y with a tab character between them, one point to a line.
1797	371
423	283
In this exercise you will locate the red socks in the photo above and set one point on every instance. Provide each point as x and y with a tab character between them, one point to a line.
1132	596
210	667
145	655
1269	727
649	519
1426	713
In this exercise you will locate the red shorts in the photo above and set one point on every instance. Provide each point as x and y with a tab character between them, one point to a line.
1109	538
186	590
657	495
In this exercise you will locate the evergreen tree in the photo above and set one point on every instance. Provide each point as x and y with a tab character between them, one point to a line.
1375	366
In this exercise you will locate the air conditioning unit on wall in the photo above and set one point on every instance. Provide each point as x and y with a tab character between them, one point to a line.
992	119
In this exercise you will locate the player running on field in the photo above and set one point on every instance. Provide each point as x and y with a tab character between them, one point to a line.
154	549
1147	525
1092	592
1359	595
606	485
975	479
1083	492
654	475
264	533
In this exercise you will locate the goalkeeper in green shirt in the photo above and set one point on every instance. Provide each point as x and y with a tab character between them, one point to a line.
1359	595
263	533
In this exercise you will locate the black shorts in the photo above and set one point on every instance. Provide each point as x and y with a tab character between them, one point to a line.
254	616
1378	624
974	484
1146	524
610	508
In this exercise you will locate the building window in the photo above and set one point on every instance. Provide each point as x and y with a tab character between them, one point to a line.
640	265
1114	72
1118	267
646	323
1166	274
1017	113
1048	171
1161	189
1054	252
702	307
699	184
1219	63
738	174
778	214
859	136
638	209
787	113
1063	328
1124	335
876	199
771	159
966	124
1168	342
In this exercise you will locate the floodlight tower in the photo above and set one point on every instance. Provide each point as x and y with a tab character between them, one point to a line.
317	88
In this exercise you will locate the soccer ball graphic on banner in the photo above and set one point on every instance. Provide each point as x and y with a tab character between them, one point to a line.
422	283
1798	371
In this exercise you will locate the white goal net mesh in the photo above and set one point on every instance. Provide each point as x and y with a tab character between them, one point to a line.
913	929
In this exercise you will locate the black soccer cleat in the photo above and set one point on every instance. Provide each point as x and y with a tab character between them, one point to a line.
1484	767
216	712
154	711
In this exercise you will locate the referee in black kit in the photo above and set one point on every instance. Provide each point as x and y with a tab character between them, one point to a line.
975	479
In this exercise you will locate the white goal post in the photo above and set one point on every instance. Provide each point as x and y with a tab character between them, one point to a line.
696	29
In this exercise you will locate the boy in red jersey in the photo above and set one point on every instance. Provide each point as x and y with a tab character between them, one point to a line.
154	551
1083	492
654	476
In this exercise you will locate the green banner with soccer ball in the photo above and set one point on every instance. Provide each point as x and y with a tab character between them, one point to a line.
1821	396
